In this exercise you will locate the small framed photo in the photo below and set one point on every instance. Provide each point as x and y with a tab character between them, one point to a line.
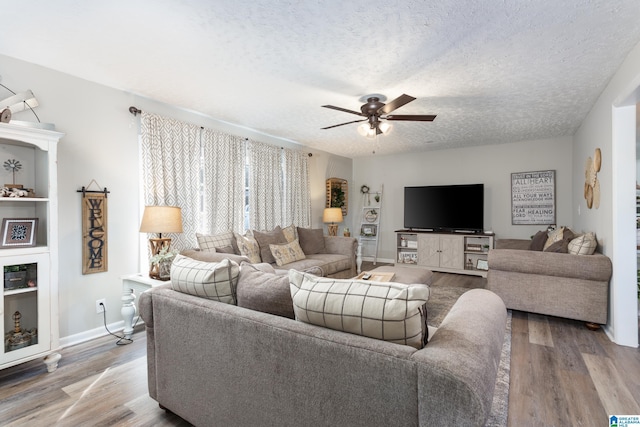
369	230
482	264
19	232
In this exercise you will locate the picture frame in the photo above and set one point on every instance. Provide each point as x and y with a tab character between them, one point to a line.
482	264
533	198
369	230
19	232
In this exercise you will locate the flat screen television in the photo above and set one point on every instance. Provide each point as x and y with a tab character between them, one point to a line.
445	208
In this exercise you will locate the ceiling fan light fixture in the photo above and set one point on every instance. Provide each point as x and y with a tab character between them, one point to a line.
365	130
385	128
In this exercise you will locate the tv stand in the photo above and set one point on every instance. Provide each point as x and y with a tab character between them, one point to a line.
461	252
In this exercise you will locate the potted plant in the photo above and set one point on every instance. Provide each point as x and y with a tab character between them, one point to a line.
161	263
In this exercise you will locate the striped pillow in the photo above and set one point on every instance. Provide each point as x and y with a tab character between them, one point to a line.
388	311
216	281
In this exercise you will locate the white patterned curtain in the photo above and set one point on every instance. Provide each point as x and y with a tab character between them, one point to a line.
265	186
297	201
170	152
223	193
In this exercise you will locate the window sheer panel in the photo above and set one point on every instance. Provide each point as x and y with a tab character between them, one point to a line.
223	175
170	171
297	200
265	186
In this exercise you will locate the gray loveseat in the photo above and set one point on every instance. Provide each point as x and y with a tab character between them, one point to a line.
224	365
555	284
338	259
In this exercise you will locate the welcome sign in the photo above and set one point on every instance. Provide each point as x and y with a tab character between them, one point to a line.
94	232
533	197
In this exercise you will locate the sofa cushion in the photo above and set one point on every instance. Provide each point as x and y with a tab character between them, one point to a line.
248	246
389	311
560	245
287	253
216	281
211	242
311	240
538	241
266	238
583	245
264	291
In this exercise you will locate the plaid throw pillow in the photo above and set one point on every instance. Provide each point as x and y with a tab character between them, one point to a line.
210	243
388	311
216	281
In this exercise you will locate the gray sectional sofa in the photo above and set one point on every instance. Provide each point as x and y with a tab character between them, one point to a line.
555	284
221	364
337	260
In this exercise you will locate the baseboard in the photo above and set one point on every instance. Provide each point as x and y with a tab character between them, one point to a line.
91	334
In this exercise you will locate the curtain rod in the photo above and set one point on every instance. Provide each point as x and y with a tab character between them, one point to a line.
135	111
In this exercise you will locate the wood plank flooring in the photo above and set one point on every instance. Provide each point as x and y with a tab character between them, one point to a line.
561	374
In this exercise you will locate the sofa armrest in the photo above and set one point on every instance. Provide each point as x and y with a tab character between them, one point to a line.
208	256
458	367
341	245
588	267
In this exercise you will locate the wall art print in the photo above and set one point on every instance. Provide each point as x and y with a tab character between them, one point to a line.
533	197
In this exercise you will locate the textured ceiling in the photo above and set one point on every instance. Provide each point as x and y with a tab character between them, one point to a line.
493	71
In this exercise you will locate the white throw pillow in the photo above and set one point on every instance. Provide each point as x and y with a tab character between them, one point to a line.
583	245
388	311
216	281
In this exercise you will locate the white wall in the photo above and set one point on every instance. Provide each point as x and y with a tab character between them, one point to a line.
490	165
101	143
610	126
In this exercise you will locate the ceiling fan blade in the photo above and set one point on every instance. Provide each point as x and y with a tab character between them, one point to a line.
409	117
347	123
343	109
396	103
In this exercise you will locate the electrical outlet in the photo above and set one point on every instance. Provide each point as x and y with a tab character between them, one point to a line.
101	308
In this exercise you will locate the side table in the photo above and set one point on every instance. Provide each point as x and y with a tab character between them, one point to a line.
131	285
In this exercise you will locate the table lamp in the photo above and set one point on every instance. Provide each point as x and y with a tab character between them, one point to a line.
332	215
160	219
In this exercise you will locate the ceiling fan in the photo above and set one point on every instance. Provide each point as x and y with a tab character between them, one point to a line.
374	110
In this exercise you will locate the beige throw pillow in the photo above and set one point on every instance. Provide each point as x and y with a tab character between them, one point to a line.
388	311
248	247
216	281
583	245
287	253
290	233
554	236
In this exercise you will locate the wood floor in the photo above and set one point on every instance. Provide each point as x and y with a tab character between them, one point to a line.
561	375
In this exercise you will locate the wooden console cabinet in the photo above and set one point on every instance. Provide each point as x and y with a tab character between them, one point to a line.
447	252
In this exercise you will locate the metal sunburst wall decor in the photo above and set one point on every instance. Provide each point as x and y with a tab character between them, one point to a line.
13	166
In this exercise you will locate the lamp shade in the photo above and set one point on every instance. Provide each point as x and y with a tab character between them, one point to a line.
161	219
332	215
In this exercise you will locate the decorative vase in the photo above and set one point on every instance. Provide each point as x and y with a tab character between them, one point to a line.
164	270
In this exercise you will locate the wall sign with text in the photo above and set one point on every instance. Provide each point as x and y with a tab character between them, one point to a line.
533	197
94	232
